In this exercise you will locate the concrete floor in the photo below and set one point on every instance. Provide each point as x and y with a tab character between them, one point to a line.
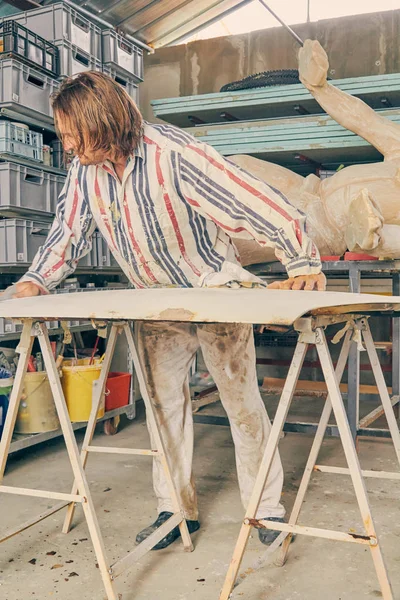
65	566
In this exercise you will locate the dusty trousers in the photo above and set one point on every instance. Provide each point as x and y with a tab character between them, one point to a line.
166	352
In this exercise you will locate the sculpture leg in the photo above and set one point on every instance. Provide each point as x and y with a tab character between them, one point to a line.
364	223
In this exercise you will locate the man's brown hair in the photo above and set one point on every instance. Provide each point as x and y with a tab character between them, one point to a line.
100	113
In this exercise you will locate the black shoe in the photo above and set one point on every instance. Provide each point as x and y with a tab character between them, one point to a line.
267	536
171	536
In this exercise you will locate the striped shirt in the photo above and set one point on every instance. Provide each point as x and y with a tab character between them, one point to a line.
173	217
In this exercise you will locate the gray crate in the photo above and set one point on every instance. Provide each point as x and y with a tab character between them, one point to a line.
127	82
27	191
26	86
324	173
74	323
19	141
8	326
121	54
61	159
105	260
20	240
73	60
90	260
62	22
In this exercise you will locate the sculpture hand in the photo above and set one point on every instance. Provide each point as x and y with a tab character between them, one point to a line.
301	282
313	64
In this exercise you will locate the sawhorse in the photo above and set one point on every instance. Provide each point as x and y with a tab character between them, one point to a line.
311	331
80	493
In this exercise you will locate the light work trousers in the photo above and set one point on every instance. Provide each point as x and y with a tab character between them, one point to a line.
167	351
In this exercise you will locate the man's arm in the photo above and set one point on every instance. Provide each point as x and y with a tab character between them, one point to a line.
68	241
246	207
349	111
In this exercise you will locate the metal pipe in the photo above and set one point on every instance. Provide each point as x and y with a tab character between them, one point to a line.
289	29
109	25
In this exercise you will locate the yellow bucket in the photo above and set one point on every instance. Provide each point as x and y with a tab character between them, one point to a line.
37	412
77	382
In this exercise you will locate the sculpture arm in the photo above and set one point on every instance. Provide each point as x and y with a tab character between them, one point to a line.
349	111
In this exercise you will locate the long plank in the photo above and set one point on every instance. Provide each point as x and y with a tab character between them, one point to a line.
222	305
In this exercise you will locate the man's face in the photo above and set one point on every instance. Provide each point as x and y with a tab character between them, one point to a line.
89	157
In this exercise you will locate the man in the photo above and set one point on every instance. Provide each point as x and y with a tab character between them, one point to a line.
169	207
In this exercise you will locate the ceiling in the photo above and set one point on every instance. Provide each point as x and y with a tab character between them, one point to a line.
157	23
161	22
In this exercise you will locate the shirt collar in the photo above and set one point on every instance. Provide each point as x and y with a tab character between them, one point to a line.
139	150
130	162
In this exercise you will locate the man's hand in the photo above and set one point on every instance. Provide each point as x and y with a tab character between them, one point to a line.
24	289
313	64
302	282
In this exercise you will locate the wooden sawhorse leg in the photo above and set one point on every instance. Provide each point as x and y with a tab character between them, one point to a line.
178	517
315	335
82	494
80	491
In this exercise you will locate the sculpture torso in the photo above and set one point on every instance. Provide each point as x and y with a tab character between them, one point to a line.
382	180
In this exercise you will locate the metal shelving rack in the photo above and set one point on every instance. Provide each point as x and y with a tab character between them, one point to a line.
23	441
354	271
43	122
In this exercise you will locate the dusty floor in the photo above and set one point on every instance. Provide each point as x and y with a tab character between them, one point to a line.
43	563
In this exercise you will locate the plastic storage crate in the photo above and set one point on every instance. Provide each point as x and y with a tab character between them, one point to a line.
90	259
25	190
105	260
325	173
8	326
62	22
121	54
127	81
17	39
20	141
61	159
74	60
21	84
57	154
20	239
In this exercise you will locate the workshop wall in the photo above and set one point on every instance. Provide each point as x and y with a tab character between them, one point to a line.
357	45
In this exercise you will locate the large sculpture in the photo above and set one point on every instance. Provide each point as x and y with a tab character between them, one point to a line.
357	208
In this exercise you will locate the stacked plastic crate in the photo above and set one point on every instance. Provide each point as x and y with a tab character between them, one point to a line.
37	49
123	61
84	46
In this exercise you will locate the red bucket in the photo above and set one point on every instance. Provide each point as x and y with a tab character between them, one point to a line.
117	390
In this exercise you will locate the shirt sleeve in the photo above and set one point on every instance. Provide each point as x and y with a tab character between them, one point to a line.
70	236
246	207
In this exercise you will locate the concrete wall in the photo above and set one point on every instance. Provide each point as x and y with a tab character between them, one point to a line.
357	45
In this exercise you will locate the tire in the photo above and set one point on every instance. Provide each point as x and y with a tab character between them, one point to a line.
264	79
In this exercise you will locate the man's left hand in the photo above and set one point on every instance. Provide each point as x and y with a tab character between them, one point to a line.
301	282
